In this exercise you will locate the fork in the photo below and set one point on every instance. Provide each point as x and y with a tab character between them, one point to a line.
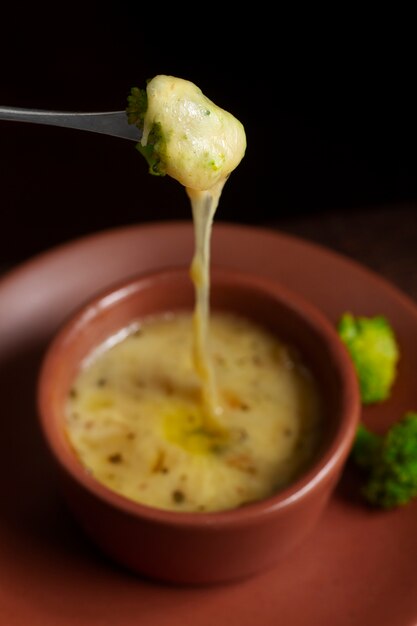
112	123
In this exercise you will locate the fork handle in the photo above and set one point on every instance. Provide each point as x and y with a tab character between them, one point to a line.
108	123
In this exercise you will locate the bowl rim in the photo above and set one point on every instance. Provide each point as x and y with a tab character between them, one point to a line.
322	468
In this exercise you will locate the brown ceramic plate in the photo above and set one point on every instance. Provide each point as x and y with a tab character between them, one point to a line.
358	567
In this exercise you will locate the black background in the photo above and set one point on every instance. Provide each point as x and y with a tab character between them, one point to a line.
327	102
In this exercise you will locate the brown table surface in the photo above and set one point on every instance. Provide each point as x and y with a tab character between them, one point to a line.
381	238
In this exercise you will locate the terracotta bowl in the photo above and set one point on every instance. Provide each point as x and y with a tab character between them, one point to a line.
197	548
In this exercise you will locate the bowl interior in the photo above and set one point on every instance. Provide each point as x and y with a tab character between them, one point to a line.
270	304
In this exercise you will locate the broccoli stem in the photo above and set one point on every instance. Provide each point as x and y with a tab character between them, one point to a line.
365	447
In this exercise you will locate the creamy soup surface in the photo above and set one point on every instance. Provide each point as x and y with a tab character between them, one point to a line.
138	421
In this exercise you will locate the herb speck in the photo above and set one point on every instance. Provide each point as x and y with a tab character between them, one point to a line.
115	458
178	496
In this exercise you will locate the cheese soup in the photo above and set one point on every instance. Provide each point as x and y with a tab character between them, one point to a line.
137	421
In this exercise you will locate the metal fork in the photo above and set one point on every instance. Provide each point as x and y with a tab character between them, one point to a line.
112	123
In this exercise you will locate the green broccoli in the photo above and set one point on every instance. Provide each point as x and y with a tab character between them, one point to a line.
156	146
373	347
389	462
137	105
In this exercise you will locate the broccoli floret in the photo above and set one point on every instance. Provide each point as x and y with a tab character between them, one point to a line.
389	462
185	135
137	105
154	150
155	147
373	347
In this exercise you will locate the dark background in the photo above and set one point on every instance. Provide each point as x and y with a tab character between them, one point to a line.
327	102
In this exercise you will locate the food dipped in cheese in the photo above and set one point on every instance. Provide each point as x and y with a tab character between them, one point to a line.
186	135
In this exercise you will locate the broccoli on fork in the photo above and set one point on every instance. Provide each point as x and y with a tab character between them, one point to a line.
389	462
184	134
155	147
